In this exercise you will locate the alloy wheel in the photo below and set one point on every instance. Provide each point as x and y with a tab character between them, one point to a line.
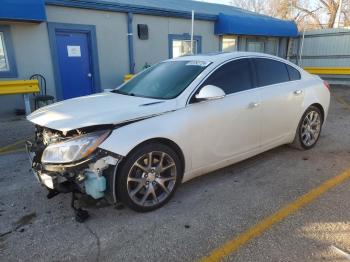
151	179
310	128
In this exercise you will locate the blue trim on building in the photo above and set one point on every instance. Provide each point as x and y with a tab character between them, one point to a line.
185	36
131	44
63	27
130	8
23	10
254	25
11	59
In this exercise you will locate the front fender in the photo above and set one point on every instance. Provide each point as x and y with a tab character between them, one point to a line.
172	126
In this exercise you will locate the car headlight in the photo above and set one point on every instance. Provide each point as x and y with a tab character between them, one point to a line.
73	149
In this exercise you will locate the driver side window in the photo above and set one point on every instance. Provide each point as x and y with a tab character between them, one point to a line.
232	77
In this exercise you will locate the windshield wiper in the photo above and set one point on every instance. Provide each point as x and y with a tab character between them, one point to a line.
117	91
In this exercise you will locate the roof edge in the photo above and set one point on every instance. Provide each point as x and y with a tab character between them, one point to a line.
126	8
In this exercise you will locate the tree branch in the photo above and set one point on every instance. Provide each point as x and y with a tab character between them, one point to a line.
311	13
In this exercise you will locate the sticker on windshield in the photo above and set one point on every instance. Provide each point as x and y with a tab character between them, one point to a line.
198	63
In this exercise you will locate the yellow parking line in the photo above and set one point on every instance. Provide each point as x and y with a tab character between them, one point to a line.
11	146
255	231
342	101
12	151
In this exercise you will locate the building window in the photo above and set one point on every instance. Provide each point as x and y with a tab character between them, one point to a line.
255	46
4	65
7	58
180	45
183	47
229	43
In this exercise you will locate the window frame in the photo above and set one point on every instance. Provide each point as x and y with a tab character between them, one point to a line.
200	85
187	37
300	75
10	54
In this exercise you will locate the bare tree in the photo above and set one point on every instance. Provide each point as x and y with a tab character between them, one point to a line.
326	8
346	13
257	6
307	14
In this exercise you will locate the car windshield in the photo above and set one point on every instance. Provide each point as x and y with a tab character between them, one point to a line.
165	80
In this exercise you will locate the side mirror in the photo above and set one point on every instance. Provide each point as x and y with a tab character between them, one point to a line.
210	92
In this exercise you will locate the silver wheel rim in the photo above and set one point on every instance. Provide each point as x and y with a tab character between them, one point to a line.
151	178
310	128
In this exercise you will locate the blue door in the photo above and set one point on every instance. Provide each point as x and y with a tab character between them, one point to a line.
74	60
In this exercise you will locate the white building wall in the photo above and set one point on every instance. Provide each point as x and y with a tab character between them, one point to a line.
156	48
32	54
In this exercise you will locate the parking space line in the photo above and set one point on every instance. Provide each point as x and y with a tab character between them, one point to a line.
10	147
232	245
12	151
341	101
341	252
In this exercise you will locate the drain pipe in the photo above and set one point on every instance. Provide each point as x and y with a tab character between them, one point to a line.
131	44
192	25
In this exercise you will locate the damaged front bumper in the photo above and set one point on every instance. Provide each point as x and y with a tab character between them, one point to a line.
94	176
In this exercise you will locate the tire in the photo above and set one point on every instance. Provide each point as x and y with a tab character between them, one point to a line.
145	185
305	125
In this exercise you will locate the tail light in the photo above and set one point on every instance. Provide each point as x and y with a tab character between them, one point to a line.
326	84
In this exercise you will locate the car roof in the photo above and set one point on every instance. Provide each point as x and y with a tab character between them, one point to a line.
222	56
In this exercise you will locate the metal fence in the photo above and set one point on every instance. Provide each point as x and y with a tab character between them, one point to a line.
325	52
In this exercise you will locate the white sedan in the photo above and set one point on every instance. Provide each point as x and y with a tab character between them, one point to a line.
176	120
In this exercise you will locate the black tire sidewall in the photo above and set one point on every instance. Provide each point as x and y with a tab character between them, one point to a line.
127	163
311	108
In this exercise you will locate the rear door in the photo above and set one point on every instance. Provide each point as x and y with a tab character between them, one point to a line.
229	127
282	97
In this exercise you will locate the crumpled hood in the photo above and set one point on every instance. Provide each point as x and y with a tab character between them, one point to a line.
98	109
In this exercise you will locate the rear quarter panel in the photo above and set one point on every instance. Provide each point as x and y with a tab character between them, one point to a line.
316	92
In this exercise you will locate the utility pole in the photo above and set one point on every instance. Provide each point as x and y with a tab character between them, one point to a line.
337	19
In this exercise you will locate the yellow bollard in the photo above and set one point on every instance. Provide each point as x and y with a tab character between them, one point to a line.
128	77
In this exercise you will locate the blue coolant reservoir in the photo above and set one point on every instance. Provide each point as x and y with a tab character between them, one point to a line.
94	185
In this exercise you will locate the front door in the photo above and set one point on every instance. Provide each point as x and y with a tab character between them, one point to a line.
226	129
74	61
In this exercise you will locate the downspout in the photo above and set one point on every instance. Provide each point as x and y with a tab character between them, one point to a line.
192	24
131	44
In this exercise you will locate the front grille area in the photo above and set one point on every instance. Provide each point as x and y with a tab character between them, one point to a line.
48	136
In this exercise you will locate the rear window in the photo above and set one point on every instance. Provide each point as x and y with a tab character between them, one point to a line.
293	73
270	71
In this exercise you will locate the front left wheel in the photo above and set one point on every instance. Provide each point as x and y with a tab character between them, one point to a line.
149	177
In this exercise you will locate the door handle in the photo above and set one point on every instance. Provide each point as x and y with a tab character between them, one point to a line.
254	105
298	92
89	75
